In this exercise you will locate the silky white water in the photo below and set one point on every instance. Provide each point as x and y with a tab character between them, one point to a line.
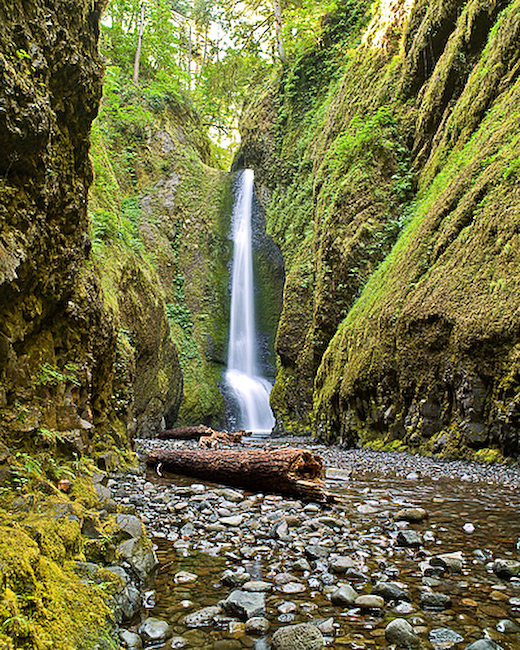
243	377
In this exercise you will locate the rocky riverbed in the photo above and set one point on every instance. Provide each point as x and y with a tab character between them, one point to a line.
414	553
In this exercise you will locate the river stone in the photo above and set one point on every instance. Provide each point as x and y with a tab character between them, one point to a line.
184	576
140	556
235	578
176	643
409	538
400	633
131	640
506	568
302	565
130	526
293	588
304	636
155	630
345	595
317	552
342	564
390	591
258	626
484	644
413	515
452	562
442	638
505	626
232	521
370	602
257	585
244	604
202	617
434	600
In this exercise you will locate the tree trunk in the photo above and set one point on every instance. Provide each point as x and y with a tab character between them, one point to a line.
139	45
287	471
278	24
185	433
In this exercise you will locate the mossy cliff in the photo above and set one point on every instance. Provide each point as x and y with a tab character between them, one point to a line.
388	159
160	222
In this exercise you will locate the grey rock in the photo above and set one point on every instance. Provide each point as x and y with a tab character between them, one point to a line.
155	630
369	602
317	552
177	642
140	556
414	515
302	565
505	626
442	638
400	633
434	600
304	636
244	604
235	578
342	564
409	538
129	526
506	568
131	640
257	585
345	595
484	644
257	626
202	617
452	562
390	591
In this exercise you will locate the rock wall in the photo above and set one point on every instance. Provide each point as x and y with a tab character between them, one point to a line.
400	321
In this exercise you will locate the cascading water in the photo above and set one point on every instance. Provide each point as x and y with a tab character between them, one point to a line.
250	389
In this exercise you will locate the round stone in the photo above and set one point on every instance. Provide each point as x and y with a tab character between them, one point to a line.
258	626
153	629
400	633
370	602
298	637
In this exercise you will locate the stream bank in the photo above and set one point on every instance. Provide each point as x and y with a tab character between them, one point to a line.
427	542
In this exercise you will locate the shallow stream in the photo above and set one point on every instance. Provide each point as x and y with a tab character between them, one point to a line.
197	541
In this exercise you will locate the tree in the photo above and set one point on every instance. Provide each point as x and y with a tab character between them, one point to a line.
139	45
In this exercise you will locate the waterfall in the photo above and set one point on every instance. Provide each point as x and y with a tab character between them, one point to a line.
243	377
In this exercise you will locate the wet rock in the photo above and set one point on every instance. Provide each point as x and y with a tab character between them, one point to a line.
484	644
202	617
139	555
257	626
369	602
257	585
130	527
304	636
235	578
409	538
443	638
131	640
344	596
451	562
400	633
413	515
232	521
342	564
244	604
434	600
175	643
153	630
390	591
506	568
505	626
317	551
302	565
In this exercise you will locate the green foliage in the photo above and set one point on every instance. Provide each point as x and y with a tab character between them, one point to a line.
49	375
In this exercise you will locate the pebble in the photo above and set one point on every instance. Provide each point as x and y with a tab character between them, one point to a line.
310	551
298	637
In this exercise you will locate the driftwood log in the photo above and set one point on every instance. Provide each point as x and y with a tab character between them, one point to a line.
214	440
295	472
185	433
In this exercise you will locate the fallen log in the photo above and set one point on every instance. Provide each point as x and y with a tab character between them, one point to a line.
289	471
185	433
217	437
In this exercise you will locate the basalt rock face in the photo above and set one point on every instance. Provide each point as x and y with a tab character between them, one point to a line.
400	321
57	338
